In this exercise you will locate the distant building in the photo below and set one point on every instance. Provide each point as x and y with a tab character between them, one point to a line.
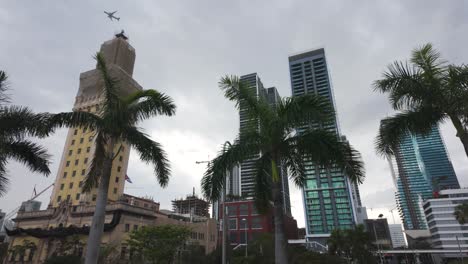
247	167
379	233
191	205
446	232
244	221
397	235
29	206
420	168
327	194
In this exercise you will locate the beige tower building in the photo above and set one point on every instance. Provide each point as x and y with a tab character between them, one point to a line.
69	214
78	151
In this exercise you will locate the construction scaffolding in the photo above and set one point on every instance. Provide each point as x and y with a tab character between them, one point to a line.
191	205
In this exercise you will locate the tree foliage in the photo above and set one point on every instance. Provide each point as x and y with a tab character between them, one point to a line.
17	124
461	213
354	244
426	91
158	244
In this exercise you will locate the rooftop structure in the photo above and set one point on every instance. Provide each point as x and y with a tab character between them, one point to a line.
191	205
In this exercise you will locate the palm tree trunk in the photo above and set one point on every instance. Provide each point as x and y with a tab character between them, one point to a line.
280	238
462	134
97	226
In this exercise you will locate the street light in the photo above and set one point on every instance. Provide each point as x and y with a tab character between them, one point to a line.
245	228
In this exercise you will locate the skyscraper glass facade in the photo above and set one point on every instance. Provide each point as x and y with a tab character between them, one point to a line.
420	167
327	197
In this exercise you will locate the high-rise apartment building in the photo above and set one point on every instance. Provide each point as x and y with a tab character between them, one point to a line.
247	167
420	168
327	195
78	151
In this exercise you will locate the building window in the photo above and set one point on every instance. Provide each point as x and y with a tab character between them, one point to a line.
118	169
127	227
231	210
77	196
244	224
73	142
115	190
116	179
59	198
135	227
244	209
80	184
85	160
120	158
88	149
81	140
70	152
94	197
65	174
75	132
232	224
79	151
71	185
61	186
68	163
83	172
68	197
257	223
73	173
76	162
123	252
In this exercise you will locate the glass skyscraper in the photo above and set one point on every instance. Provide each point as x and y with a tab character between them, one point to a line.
420	168
328	202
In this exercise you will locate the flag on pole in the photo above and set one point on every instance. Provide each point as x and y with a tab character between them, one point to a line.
128	178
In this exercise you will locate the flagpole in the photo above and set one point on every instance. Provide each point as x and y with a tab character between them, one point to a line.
34	191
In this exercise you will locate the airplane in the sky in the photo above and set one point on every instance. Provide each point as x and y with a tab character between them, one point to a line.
111	16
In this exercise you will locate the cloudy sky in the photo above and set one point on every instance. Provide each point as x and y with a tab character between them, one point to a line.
184	47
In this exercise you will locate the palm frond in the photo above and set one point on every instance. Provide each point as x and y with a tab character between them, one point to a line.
4	181
428	59
303	110
393	129
239	92
244	147
32	155
150	152
110	91
353	163
74	119
148	103
18	122
95	170
294	161
405	85
4	98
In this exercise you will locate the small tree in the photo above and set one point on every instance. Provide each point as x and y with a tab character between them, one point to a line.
158	244
461	213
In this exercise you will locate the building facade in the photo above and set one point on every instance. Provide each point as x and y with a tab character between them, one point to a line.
398	238
328	202
70	211
446	232
420	168
247	167
379	233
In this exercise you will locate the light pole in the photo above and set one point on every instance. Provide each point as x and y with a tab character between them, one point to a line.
245	228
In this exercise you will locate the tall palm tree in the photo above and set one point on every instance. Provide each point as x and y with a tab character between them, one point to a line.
461	213
426	91
271	135
16	124
115	123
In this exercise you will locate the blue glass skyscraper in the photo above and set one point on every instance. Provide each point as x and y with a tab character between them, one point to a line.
328	202
420	168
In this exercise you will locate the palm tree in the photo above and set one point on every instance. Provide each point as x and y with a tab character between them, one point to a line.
16	124
271	137
116	123
461	213
427	91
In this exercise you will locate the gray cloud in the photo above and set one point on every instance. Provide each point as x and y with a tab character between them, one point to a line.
183	47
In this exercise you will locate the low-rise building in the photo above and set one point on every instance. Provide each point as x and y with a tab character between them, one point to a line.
397	235
379	232
446	232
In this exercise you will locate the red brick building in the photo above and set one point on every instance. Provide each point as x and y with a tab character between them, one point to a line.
244	220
